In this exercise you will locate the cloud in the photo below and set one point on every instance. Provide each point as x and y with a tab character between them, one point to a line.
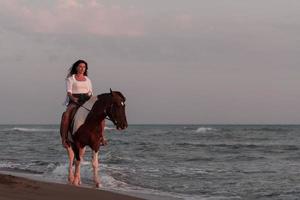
74	16
184	21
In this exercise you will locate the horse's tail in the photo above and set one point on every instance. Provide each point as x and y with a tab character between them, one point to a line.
76	151
73	144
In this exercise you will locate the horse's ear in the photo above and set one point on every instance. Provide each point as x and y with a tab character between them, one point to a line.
110	91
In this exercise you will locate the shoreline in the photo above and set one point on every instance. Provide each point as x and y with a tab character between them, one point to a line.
13	187
15	184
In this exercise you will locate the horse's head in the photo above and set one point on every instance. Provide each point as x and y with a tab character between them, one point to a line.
117	110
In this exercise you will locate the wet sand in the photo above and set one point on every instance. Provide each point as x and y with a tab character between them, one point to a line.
19	188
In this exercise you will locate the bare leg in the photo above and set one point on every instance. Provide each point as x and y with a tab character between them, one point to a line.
66	119
95	169
71	159
64	126
77	180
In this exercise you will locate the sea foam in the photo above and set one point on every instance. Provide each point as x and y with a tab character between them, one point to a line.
22	129
204	129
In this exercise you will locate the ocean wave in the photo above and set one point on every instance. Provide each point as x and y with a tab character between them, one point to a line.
112	177
115	176
239	158
109	128
7	165
285	147
60	170
258	172
188	171
199	159
108	181
17	167
256	146
20	170
205	129
268	129
23	129
114	159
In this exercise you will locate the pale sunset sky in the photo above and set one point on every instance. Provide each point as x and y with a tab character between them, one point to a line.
176	61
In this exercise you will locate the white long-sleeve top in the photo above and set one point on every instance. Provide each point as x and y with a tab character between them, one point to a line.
79	87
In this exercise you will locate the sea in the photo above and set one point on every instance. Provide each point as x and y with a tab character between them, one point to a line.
211	162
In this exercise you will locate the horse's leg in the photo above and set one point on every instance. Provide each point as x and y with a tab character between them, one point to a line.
95	168
81	154
101	129
77	180
71	159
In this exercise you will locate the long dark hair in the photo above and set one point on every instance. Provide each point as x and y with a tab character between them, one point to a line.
73	69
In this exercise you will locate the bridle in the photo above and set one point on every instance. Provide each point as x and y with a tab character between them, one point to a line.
108	114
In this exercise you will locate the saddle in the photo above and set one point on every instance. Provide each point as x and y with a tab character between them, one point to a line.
79	115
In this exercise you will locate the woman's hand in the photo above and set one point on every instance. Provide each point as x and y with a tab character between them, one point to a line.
74	99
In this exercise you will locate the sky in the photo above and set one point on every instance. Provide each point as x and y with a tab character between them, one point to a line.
177	62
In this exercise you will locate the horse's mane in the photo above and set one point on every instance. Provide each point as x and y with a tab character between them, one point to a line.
108	94
120	94
103	95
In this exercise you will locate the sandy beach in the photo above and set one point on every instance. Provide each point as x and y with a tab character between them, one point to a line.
15	188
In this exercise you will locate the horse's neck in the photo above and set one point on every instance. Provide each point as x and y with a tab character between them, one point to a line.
103	103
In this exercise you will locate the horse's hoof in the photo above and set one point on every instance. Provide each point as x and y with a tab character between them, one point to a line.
76	182
98	185
71	180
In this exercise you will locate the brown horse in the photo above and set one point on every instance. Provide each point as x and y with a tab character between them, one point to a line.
88	129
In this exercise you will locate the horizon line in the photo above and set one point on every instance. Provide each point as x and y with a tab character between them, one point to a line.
178	124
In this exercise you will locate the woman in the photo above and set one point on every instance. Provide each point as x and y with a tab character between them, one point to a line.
79	90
